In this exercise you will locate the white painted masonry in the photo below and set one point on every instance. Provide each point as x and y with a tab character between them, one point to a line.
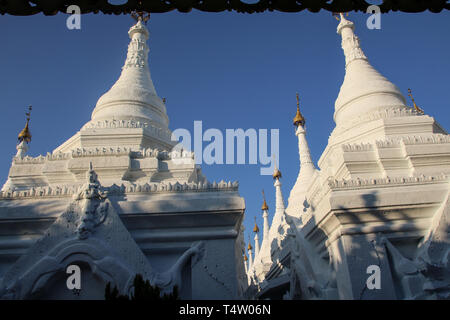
379	199
114	200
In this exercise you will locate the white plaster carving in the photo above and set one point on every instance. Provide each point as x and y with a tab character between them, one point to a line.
383	184
137	177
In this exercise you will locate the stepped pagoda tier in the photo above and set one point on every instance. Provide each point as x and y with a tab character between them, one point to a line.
127	139
371	115
116	201
372	222
130	114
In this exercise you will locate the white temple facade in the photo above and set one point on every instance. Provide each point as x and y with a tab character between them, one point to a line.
371	220
116	200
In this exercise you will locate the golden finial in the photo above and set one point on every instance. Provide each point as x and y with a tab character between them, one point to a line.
164	100
255	229
140	15
338	15
264	205
25	134
276	173
249	246
419	110
245	258
298	119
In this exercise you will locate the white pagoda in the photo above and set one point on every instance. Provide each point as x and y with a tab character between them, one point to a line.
371	221
116	200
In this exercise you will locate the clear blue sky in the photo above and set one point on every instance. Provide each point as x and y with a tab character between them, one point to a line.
227	69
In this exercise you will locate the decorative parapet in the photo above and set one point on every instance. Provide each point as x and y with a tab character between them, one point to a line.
100	152
162	187
436	138
180	154
95	152
334	184
57	156
357	147
163	154
145	153
47	191
28	159
388	112
431	139
175	187
115	124
388	143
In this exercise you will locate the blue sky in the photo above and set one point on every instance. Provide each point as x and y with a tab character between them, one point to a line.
227	69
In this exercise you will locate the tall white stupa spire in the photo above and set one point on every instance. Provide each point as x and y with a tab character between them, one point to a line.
130	114
133	96
364	89
369	108
307	167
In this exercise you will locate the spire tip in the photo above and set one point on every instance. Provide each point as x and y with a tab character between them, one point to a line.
255	229
140	15
276	173
264	205
298	119
415	106
25	134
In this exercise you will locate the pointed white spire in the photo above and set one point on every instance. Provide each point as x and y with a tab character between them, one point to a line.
131	106
256	231
133	96
306	163
250	256
307	167
245	263
278	217
279	201
266	224
265	211
263	257
364	89
256	245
